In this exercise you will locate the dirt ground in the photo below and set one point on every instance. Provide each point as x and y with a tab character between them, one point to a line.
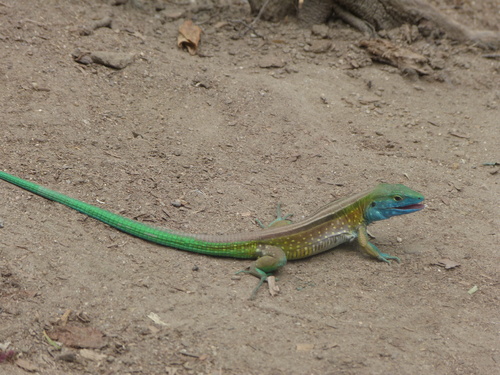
207	144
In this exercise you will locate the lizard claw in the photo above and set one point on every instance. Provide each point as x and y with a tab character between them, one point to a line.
386	257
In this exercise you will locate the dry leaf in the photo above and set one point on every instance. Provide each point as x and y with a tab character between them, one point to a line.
221	24
7	355
65	317
93	356
26	365
447	263
305	347
273	288
189	36
388	53
78	337
155	318
473	290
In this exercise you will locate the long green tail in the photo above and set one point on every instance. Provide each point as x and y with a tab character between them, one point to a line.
164	237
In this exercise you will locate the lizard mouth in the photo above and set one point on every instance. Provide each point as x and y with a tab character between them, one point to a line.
416	206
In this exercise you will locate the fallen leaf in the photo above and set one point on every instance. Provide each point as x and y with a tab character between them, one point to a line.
7	355
155	318
305	347
78	337
473	290
26	365
221	24
51	342
447	263
173	15
65	317
403	58
93	356
273	288
189	37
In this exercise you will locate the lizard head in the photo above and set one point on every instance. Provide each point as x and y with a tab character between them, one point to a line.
388	200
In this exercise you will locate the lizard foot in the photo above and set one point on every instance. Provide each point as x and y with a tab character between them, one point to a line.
279	221
263	277
371	249
386	257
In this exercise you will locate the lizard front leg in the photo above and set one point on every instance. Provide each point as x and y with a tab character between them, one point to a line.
270	258
370	248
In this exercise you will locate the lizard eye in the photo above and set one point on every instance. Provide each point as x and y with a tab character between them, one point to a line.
398	198
373	204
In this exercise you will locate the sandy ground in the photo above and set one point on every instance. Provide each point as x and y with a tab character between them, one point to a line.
207	144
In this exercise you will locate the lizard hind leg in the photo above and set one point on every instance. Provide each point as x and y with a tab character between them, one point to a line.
271	258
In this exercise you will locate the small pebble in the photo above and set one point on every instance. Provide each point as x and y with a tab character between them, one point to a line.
176	203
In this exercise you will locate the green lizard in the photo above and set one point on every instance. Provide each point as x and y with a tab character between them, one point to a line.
341	221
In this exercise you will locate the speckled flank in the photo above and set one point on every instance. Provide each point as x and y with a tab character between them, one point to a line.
323	237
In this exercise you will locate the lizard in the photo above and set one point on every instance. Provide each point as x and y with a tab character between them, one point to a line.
343	220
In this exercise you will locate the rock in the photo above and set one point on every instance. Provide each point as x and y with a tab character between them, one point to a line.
115	60
320	30
320	46
271	62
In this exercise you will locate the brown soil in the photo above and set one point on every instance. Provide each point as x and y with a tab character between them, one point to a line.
229	137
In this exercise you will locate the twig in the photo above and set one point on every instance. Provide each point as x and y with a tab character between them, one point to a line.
492	56
51	342
261	11
248	27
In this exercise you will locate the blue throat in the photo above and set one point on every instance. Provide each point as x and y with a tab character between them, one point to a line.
381	210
